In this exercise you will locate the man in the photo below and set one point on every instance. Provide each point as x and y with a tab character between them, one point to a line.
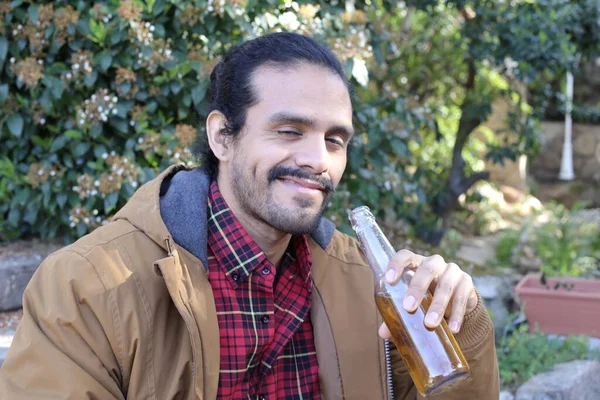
225	281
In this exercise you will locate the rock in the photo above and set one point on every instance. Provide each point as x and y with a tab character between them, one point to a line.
18	262
585	143
575	380
497	294
15	273
590	171
511	195
594	345
567	193
505	395
529	261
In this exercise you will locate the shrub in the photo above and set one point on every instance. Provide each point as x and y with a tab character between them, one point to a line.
522	355
96	98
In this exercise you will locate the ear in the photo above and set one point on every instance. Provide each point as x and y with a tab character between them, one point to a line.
219	143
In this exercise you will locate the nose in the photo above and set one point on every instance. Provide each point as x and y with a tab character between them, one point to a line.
313	155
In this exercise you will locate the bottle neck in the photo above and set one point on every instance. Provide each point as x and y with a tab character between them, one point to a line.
375	245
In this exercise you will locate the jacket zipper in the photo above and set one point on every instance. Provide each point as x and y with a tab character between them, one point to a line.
388	369
188	325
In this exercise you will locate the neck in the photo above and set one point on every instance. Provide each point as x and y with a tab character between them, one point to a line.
271	241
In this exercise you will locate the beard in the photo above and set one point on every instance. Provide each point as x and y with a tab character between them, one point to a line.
255	196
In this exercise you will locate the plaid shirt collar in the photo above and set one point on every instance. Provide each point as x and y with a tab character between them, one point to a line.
239	255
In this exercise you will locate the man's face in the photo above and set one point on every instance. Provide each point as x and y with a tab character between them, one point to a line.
291	153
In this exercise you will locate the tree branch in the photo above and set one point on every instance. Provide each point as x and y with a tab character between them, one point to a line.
469	181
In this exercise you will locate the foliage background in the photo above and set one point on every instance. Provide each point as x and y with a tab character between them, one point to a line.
96	98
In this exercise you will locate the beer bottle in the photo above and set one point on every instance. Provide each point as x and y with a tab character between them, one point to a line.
434	360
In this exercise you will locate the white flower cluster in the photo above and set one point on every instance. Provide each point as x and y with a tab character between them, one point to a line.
97	108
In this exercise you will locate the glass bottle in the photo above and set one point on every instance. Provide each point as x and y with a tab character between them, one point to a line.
432	356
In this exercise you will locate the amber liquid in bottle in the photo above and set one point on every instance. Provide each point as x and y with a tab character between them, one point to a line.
432	356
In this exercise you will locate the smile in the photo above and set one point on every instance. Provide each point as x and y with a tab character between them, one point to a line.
300	185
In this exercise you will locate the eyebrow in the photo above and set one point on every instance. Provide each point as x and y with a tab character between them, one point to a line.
290	118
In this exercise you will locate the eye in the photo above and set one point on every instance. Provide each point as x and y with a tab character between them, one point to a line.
336	140
289	132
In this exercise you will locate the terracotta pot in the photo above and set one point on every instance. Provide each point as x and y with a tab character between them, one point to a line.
561	311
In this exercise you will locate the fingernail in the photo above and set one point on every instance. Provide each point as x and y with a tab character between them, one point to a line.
409	303
432	318
454	326
390	275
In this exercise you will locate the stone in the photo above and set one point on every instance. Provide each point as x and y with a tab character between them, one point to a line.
585	143
506	395
591	195
497	294
575	380
590	171
15	273
512	195
18	262
553	129
567	193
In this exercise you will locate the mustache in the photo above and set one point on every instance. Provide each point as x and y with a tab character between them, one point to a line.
281	171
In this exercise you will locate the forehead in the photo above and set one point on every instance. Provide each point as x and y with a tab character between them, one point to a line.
305	89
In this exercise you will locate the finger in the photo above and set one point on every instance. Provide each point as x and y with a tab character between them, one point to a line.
443	294
399	262
427	271
384	332
473	300
463	292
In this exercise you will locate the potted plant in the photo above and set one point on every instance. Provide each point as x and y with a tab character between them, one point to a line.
564	298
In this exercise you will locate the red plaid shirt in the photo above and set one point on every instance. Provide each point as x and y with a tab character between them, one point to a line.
266	336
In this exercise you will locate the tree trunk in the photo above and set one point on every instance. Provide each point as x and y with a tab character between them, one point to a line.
458	183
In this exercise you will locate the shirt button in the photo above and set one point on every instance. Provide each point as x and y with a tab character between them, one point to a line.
263	397
265	319
266	271
235	276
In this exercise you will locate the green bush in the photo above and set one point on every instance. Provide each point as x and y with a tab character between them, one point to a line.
96	98
504	248
566	245
522	355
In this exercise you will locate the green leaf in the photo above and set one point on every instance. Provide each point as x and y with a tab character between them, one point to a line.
56	88
199	91
399	147
3	92
59	143
61	199
81	229
3	50
120	124
104	60
15	124
31	212
99	151
98	31
21	197
14	217
175	87
32	10
81	148
150	5
90	79
74	134
110	202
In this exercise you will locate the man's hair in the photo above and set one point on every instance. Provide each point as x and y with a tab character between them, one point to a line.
231	91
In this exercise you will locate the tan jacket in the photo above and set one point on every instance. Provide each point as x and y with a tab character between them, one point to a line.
126	313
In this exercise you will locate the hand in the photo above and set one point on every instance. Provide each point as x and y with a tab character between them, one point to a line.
453	291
